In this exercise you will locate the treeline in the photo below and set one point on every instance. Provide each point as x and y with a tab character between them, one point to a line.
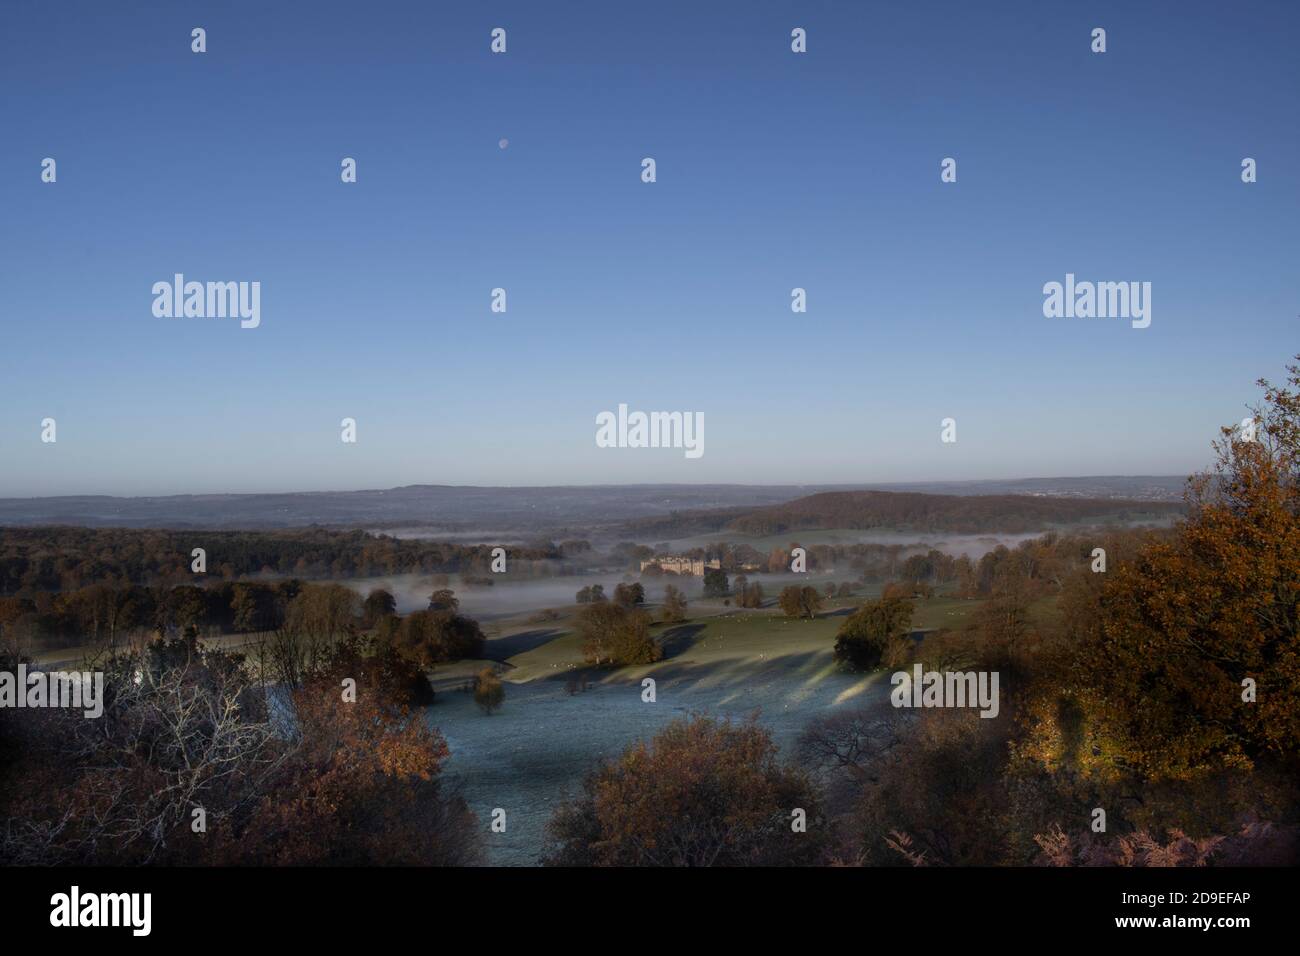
1040	566
683	524
109	617
1046	559
952	514
51	559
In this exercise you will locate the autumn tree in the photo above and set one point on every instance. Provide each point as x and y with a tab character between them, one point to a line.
318	615
798	601
376	667
1193	665
444	599
363	787
629	595
1004	617
749	595
431	637
674	609
378	605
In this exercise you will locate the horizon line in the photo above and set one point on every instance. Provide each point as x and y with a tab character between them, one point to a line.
866	485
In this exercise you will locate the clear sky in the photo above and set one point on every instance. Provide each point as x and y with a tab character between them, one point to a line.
775	170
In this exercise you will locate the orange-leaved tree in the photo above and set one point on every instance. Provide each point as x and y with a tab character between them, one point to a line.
1192	665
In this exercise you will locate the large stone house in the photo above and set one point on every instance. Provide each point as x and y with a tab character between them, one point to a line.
680	564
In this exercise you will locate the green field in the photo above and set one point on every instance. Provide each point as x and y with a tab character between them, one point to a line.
716	635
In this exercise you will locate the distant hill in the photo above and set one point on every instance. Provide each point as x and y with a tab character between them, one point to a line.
470	512
456	509
957	514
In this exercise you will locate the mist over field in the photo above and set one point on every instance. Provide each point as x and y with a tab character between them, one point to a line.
507	598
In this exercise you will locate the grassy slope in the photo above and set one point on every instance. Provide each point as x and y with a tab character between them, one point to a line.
716	636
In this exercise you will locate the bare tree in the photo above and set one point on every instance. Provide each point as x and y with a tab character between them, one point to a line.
178	733
858	743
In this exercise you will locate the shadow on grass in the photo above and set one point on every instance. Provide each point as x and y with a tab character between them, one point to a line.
503	648
724	681
677	639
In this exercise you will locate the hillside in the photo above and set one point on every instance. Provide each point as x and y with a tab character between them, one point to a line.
904	511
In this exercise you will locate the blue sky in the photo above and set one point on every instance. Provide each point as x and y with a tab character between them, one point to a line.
775	170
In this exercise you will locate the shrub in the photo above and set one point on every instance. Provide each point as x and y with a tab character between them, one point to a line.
701	793
489	692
